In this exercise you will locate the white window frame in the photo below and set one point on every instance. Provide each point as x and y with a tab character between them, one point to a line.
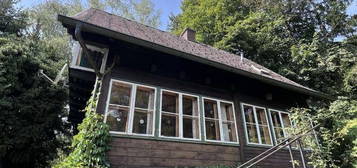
219	101
256	125
77	53
131	107
282	122
181	94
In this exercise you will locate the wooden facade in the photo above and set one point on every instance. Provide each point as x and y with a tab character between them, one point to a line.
164	71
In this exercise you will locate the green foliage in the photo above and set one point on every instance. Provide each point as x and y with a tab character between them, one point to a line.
296	39
31	108
264	30
337	134
90	145
12	20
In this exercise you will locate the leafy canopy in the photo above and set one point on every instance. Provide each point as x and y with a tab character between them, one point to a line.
298	40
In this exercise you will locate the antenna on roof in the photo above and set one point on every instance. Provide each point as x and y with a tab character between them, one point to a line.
241	56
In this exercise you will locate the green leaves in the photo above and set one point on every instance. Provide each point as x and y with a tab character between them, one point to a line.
31	108
296	39
90	145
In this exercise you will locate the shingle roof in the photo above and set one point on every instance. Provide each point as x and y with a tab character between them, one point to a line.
134	29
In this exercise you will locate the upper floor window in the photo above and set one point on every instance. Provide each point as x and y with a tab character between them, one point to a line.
219	121
179	115
130	108
256	125
281	123
80	61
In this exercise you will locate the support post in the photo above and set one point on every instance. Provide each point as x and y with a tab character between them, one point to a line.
301	154
291	156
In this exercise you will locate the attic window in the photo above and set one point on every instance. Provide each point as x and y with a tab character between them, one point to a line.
261	70
80	61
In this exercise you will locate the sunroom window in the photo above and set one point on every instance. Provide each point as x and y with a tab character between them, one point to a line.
179	115
80	60
281	125
130	108
219	121
256	125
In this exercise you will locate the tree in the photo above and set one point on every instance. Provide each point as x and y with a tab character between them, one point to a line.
12	20
298	40
31	108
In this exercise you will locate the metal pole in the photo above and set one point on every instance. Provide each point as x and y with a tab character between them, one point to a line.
301	154
274	149
315	135
291	156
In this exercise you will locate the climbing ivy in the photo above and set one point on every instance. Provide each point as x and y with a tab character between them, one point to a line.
90	145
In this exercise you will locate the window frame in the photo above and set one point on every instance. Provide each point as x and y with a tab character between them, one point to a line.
131	107
180	104
256	125
78	54
282	123
218	101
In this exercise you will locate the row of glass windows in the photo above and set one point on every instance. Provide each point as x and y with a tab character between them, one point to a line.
257	127
131	110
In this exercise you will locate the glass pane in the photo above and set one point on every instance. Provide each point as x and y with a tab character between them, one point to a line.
264	135
229	132
227	112
142	122
169	102
120	94
276	119
144	98
97	58
286	120
248	113
190	106
279	134
169	125
211	109
252	133
190	128
261	116
117	119
212	130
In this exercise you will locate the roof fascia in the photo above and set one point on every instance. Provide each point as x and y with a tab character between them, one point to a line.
88	27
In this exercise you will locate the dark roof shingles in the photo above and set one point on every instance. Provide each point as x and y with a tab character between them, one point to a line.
140	31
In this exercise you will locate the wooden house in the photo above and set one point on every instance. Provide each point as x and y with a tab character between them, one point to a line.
171	101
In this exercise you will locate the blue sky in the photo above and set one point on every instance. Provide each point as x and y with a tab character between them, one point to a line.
167	7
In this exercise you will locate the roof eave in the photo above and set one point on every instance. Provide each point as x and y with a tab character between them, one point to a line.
88	27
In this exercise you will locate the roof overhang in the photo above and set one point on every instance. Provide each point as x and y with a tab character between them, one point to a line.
91	28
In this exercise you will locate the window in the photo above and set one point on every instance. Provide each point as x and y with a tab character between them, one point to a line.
281	125
179	115
280	122
219	121
131	108
256	125
80	61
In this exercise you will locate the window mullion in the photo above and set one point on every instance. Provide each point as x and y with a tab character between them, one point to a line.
282	124
180	116
132	108
108	100
268	125
220	120
257	125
